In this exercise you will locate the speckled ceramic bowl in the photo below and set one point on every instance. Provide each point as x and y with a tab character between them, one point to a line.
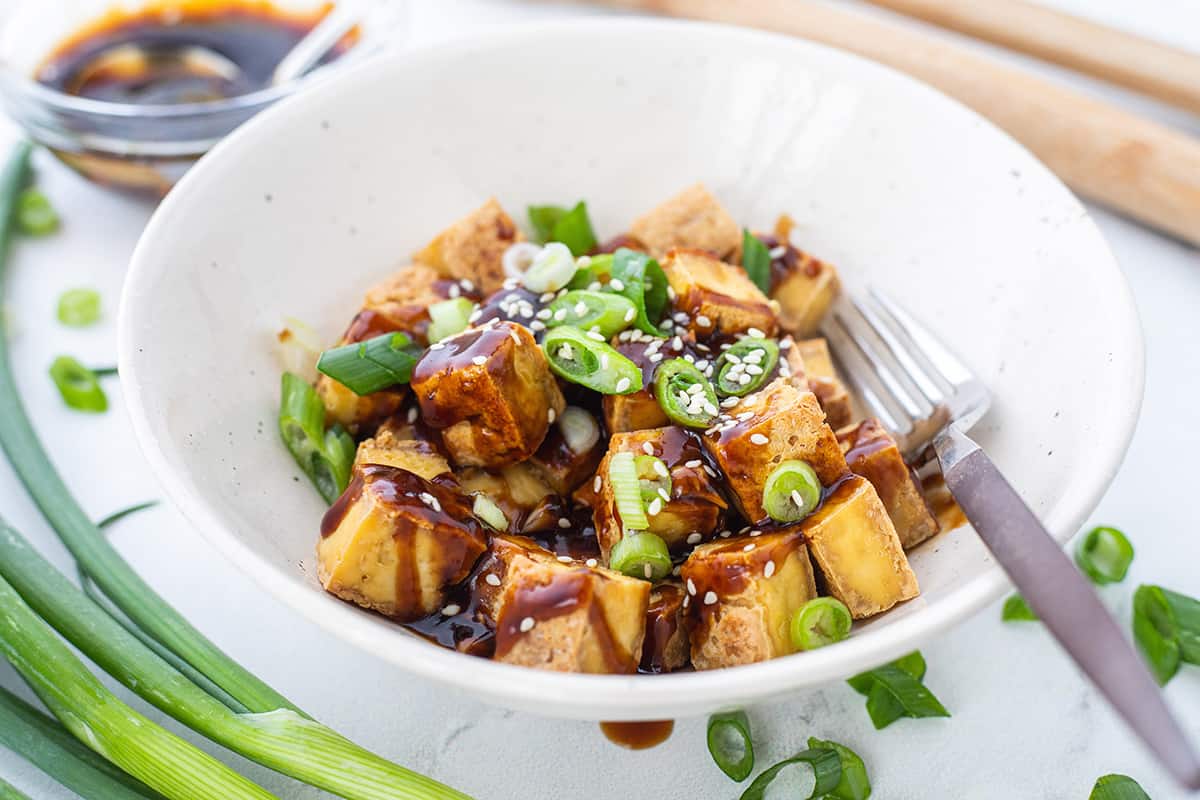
316	199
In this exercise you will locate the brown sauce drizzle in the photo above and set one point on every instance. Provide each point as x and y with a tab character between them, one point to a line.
457	353
638	735
518	305
617	242
662	624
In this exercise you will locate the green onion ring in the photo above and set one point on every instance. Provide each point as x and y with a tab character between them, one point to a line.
791	491
854	784
826	766
578	358
819	622
1104	554
78	385
641	555
604	312
673	388
730	745
739	371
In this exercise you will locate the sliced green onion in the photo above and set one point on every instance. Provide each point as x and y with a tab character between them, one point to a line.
746	366
684	394
819	622
729	744
791	492
339	452
1117	787
603	312
373	365
489	512
579	429
325	456
35	216
448	318
854	783
826	765
1166	627
589	277
638	277
654	479
576	357
103	372
756	260
1104	554
627	493
1017	610
10	792
552	269
641	555
79	308
78	385
572	227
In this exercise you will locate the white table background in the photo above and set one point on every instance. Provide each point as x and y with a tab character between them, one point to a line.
1025	725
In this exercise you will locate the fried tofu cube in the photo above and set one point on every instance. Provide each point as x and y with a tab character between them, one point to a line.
804	287
693	218
562	468
776	424
473	248
394	542
389	447
823	380
666	647
695	509
855	546
873	453
637	410
562	616
719	298
491	393
742	593
353	412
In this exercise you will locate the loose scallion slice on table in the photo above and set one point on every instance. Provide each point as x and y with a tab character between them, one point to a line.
895	690
1104	554
826	766
34	214
685	394
326	456
1017	610
572	227
641	555
448	318
730	745
854	783
627	492
791	491
373	365
1166	627
78	385
756	260
604	312
1117	787
819	622
746	366
589	361
638	277
654	479
79	308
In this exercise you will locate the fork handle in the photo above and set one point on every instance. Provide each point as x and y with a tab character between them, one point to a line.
1064	600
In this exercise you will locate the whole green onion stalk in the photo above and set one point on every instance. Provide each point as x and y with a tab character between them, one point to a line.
276	733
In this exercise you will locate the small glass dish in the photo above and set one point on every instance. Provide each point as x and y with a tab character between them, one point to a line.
146	148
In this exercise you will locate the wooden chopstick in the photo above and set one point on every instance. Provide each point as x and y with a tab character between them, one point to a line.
1151	68
1143	169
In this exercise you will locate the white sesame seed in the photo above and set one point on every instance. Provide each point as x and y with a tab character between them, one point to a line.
565	559
564	523
726	534
663	494
537	325
769	569
686	600
437	346
655	506
467	285
591	562
691	586
597	482
595	337
676	571
744	379
754	369
758	438
595	286
451	610
712	472
797	499
677	343
729	402
479	361
710	597
703	321
560	315
777	252
544	314
656	357
623	385
755	532
648	448
630	314
755	333
550	415
748	548
694	538
617	285
492	579
454	292
412	415
527	625
513	335
648	570
671	293
661	469
604	361
581	308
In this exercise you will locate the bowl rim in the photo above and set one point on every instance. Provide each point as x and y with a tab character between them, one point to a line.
583	696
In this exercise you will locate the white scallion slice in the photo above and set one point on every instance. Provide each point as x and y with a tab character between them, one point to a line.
489	512
627	491
518	258
579	429
551	270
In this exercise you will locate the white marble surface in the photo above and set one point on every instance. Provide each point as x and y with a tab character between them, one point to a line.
1025	725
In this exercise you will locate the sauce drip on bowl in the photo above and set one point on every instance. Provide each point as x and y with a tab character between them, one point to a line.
638	735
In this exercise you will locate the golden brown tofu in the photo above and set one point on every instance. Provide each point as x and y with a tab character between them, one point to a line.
719	299
804	287
354	413
692	218
742	593
666	647
873	453
637	410
823	380
394	542
473	248
490	392
855	545
766	428
417	456
561	468
560	615
695	509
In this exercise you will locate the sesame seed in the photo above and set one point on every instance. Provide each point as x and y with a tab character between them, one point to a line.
537	325
479	361
797	499
694	538
581	309
527	625
630	314
617	285
712	472
710	597
754	369
492	579
451	610
455	291
560	315
748	548
546	297
693	464
677	343
686	599
677	571
648	448
550	415
623	385
745	415
564	523
467	285
595	286
755	333
436	346
513	335
604	361
648	570
671	293
726	534
597	482
703	321
595	336
758	438
729	402
565	559
655	506
591	562
777	252
769	569
663	494
755	532
655	358
661	469
544	314
412	415
691	586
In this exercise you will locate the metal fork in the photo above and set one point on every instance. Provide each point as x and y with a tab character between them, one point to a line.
925	395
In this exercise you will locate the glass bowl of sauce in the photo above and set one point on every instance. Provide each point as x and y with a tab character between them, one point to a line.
130	94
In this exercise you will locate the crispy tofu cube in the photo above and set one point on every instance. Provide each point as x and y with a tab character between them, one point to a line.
491	393
389	447
696	509
742	593
804	287
873	453
637	410
823	380
719	298
855	546
693	218
394	542
354	413
561	468
666	647
766	428
562	616
473	248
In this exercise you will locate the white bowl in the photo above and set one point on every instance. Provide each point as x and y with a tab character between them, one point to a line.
313	201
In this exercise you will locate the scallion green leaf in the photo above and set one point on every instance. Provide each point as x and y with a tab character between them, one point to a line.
746	366
1117	787
78	385
604	312
576	357
34	214
1104	554
325	456
572	226
730	745
756	260
638	277
895	690
627	493
826	765
1166	627
448	318
854	784
820	622
373	365
685	394
79	308
1017	610
595	275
